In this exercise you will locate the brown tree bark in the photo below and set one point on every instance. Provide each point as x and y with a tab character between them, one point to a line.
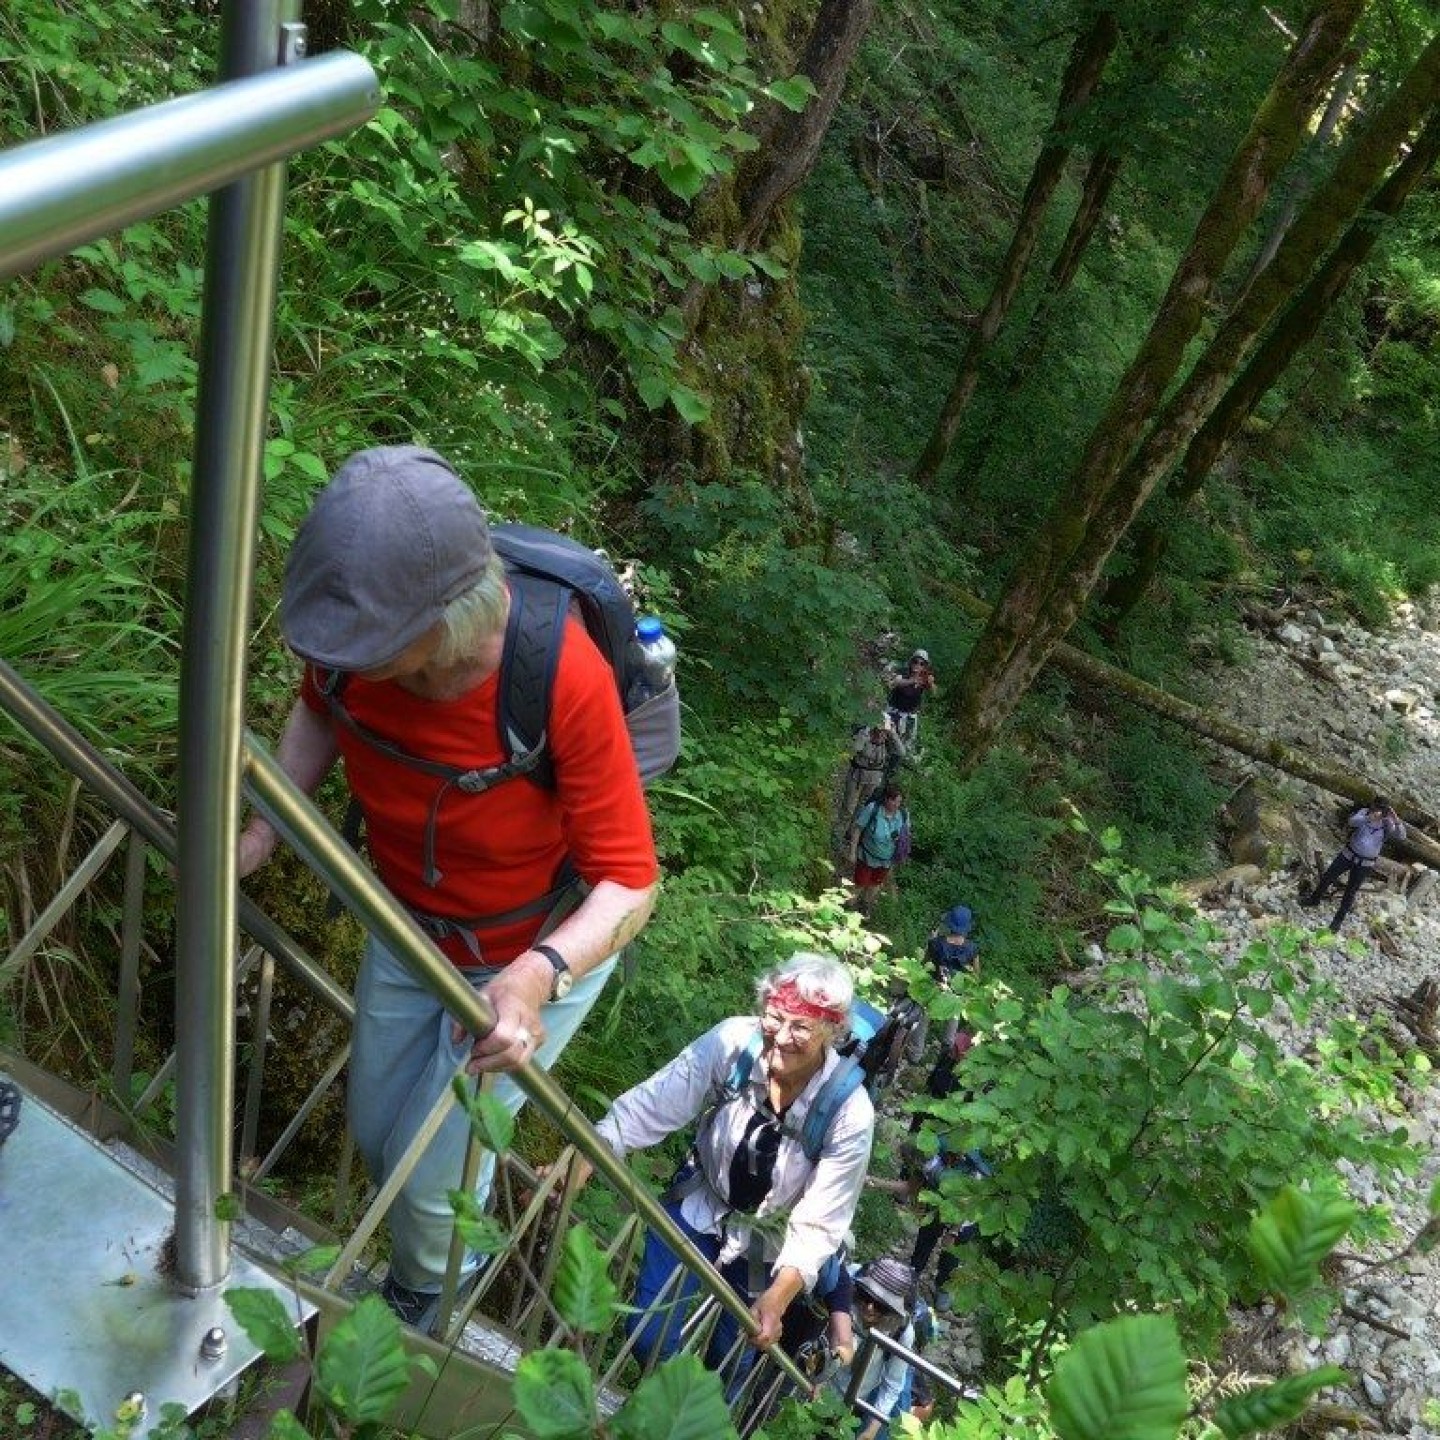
1088	58
790	142
1060	565
1291	333
1302	764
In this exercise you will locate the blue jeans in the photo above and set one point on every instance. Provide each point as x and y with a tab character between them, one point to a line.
401	1062
660	1332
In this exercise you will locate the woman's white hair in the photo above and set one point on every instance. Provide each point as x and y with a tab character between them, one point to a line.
820	979
473	616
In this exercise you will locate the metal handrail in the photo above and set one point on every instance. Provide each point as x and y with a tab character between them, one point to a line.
295	816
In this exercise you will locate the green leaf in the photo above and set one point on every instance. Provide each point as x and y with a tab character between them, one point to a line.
1124	937
555	1395
584	1294
1123	1380
284	1426
261	1314
361	1370
1433	1204
1272	1406
314	1261
1294	1233
489	1118
481	1232
682	1400
793	94
104	301
693	408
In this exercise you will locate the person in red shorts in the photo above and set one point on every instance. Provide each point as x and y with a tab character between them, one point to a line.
397	602
880	828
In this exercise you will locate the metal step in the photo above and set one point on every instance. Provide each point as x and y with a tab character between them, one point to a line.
88	1317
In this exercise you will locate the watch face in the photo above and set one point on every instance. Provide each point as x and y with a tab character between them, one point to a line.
563	981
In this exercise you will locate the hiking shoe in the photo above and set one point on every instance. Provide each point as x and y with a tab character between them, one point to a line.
421	1308
416	1308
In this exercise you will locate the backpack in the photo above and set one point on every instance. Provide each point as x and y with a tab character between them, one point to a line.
882	1052
547	573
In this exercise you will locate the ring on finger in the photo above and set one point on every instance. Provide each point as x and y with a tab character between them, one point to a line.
524	1038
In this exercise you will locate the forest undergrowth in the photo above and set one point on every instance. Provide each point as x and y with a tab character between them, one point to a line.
523	307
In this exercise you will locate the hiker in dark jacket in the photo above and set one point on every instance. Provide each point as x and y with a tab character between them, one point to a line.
907	692
949	952
749	1157
876	754
1369	830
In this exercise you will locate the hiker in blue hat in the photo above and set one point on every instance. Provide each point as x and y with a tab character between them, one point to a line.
949	952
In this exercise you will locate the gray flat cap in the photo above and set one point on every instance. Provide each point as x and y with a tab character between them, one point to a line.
392	539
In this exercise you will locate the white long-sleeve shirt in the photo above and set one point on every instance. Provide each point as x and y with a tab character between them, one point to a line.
819	1197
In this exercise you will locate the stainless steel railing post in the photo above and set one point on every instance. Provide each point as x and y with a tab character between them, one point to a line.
242	263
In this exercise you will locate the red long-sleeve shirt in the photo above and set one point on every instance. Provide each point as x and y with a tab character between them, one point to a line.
497	850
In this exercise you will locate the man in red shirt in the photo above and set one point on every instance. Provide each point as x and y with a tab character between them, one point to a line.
397	601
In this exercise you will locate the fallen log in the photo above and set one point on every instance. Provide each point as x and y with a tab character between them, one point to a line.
1349	784
1233	877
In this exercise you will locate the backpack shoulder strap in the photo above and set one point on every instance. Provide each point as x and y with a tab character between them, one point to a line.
742	1065
533	635
693	1175
842	1083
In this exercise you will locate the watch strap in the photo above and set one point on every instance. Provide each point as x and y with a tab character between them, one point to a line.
557	962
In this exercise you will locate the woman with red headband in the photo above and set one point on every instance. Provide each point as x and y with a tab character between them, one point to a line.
749	1083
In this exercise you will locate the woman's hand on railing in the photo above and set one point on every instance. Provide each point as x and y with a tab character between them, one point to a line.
255	847
770	1307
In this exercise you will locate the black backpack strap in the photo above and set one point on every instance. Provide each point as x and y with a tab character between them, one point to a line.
533	635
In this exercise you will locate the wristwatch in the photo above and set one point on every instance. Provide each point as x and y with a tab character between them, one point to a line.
564	977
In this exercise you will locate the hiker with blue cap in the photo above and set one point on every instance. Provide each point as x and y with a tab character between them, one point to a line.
782	1134
949	952
529	881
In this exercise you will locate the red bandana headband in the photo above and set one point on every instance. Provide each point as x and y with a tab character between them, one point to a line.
787	997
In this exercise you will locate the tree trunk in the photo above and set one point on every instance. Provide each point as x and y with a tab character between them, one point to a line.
1302	764
1339	98
1060	565
790	142
1087	63
1294	330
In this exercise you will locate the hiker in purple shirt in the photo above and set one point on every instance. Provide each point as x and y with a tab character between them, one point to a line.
1369	829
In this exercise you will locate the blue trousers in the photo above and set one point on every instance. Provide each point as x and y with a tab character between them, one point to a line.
659	1333
402	1061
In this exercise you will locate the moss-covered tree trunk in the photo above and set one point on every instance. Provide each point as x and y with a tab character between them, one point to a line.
790	142
1087	62
1291	333
1339	99
1057	570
